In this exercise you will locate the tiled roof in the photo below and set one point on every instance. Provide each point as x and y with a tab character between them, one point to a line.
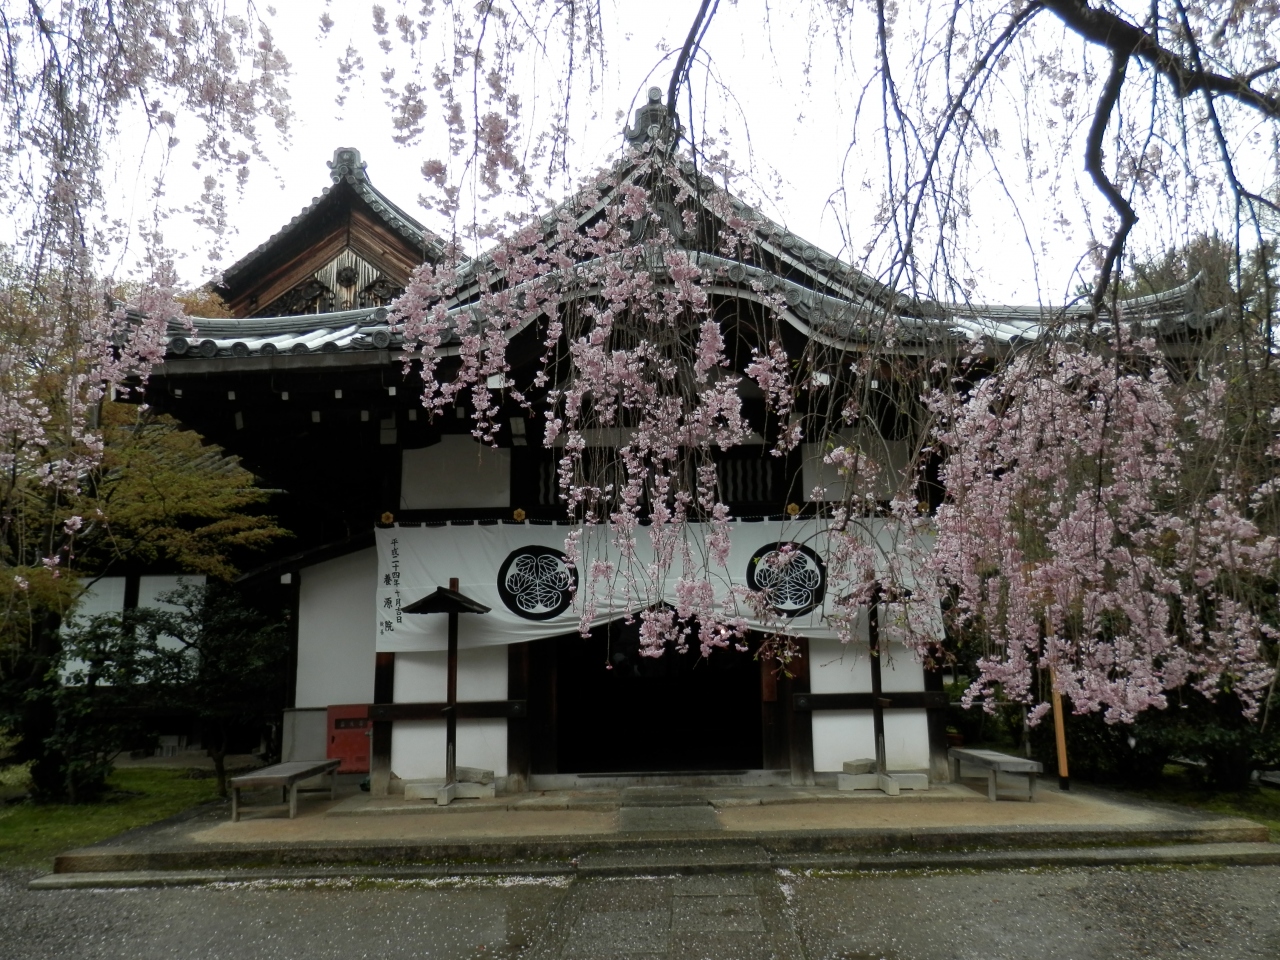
825	297
365	329
346	167
840	320
1163	314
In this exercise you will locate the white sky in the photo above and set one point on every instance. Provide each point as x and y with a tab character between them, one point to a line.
795	143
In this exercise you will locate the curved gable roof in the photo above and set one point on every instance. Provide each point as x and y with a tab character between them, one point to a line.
392	237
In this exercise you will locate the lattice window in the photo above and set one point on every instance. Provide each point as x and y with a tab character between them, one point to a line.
746	480
546	480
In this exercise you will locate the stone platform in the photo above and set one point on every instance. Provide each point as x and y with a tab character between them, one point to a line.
673	829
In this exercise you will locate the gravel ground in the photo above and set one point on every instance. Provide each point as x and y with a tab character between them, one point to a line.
1230	913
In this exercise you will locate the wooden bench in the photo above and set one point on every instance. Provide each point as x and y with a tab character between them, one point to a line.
995	764
284	775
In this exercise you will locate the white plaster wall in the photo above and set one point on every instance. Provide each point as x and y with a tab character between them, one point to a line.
423	677
893	457
456	472
840	735
105	596
152	586
336	644
836	668
417	747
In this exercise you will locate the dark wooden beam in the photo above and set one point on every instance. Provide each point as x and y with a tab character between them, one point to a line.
463	710
772	732
800	723
451	694
518	725
912	700
132	590
939	767
877	687
295	612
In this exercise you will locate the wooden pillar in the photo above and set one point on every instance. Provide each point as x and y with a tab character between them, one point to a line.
132	590
939	767
451	698
1059	735
518	727
799	722
384	688
877	685
772	727
294	586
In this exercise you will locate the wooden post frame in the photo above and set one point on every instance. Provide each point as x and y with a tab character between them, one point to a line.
384	688
518	754
877	684
448	601
800	716
451	698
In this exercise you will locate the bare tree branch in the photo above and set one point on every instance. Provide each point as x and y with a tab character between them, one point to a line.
1093	166
1125	39
691	44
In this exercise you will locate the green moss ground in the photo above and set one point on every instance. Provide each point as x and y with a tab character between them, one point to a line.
1179	786
31	835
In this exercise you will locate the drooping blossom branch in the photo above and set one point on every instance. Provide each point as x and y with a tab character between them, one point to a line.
1102	527
83	85
639	382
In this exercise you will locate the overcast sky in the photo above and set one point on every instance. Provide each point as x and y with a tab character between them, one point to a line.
788	135
790	131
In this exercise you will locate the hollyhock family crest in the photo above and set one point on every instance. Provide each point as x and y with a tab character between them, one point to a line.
537	583
791	576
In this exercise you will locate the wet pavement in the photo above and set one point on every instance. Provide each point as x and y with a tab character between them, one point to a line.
777	824
1227	913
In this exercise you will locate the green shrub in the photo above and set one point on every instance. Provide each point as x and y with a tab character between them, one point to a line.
1223	746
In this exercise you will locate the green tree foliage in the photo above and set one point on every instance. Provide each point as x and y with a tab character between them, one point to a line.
157	495
163	495
95	696
216	658
213	659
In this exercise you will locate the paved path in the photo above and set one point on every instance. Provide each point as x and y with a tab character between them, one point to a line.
748	829
1044	914
355	818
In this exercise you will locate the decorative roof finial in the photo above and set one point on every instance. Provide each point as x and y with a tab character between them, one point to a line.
346	164
652	120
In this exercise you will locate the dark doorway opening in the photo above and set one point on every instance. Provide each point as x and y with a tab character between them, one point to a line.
679	712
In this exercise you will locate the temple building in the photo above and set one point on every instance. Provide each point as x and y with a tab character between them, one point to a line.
307	386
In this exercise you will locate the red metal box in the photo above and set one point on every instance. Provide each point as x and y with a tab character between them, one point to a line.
348	741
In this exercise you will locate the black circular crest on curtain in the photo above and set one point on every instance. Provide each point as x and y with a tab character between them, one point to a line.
792	577
536	583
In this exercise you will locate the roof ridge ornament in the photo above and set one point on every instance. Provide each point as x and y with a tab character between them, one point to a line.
653	120
346	165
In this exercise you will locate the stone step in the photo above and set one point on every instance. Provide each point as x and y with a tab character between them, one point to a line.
701	857
435	790
890	783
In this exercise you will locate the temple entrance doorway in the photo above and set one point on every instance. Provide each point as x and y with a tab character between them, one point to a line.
618	712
